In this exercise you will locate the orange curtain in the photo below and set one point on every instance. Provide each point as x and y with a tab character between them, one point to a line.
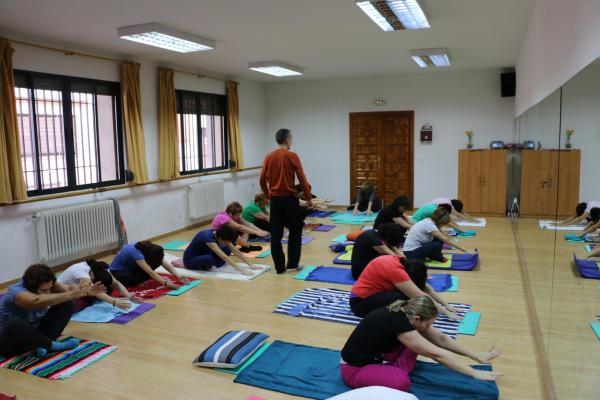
132	121
233	125
168	151
12	182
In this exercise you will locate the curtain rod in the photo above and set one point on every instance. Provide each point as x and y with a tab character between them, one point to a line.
77	53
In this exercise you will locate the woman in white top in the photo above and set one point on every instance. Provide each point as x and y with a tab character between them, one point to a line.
92	271
425	240
582	213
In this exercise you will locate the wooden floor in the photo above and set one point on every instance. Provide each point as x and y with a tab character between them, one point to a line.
156	350
566	304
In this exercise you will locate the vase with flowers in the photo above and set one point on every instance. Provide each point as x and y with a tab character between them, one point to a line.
469	135
568	134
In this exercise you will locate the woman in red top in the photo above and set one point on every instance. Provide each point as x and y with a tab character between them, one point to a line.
389	278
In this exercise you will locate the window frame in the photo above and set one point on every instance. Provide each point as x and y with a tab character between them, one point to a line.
65	83
226	159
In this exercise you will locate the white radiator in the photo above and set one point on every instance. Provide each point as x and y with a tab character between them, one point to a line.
205	199
69	233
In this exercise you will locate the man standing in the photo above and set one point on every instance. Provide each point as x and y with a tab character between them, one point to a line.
277	178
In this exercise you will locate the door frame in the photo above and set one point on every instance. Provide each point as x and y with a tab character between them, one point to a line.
411	121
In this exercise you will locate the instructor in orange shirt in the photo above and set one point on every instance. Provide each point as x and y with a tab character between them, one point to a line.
277	178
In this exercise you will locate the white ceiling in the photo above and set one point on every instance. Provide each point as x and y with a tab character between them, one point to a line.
328	38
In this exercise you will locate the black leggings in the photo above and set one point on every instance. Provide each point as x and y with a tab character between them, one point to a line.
19	336
131	278
262	224
362	307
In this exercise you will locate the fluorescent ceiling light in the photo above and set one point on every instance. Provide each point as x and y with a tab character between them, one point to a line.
154	34
431	57
395	15
275	68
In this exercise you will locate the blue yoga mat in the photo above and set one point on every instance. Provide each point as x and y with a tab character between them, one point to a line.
587	268
461	262
440	282
313	372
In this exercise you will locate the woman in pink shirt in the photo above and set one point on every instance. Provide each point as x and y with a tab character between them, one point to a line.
232	216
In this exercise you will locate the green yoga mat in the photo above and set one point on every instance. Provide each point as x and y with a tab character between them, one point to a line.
347	256
184	288
247	362
454	287
596	327
176	245
468	326
305	272
264	254
438	264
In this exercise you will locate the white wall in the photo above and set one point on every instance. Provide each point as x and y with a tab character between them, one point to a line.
317	113
147	210
561	40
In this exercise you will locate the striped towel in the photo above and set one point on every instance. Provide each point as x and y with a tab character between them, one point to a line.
59	365
330	304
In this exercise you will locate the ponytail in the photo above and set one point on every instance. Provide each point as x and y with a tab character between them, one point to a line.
420	306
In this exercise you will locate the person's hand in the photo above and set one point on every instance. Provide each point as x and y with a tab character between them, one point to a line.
309	204
452	308
123	304
171	285
183	279
486	357
452	315
247	272
93	290
255	267
135	299
263	233
486	375
355	212
369	212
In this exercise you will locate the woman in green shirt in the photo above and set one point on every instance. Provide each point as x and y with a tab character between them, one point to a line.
256	212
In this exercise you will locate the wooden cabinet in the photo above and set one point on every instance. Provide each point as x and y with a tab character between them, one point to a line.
542	173
482	180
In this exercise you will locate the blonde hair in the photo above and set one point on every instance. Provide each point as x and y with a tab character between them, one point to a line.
440	216
420	306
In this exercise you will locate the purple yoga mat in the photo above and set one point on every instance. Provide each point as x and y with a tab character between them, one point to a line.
125	318
324	228
305	240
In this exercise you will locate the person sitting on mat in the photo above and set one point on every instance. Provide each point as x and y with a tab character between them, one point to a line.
135	264
366	200
382	350
394	213
92	271
457	208
582	213
35	311
374	243
256	212
425	240
427	210
232	217
317	203
593	222
210	250
390	278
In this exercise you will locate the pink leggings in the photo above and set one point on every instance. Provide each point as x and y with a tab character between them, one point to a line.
393	375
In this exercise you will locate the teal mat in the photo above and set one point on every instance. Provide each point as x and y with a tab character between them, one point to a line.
596	327
176	245
454	287
340	238
305	272
184	288
468	325
264	254
234	371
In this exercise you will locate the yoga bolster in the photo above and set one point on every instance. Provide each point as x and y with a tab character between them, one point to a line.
231	349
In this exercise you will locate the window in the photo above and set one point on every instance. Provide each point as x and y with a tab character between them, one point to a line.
70	132
201	131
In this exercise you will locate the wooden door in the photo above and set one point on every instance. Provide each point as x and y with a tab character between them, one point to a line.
568	181
469	179
381	150
539	169
494	174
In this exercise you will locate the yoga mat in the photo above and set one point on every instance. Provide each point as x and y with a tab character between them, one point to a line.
481	222
257	353
548	224
59	365
185	288
439	264
264	254
574	238
469	324
257	253
313	372
588	248
329	304
349	219
141	309
149	289
305	239
460	262
596	328
343	276
346	257
467	233
367	227
324	228
304	273
224	272
176	245
440	282
589	269
340	238
100	312
321	214
454	287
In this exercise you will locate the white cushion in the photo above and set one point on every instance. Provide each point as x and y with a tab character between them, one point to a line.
374	393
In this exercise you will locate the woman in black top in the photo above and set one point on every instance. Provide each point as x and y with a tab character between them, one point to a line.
394	213
374	243
366	200
396	335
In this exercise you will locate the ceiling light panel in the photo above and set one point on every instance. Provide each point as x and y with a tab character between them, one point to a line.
157	35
